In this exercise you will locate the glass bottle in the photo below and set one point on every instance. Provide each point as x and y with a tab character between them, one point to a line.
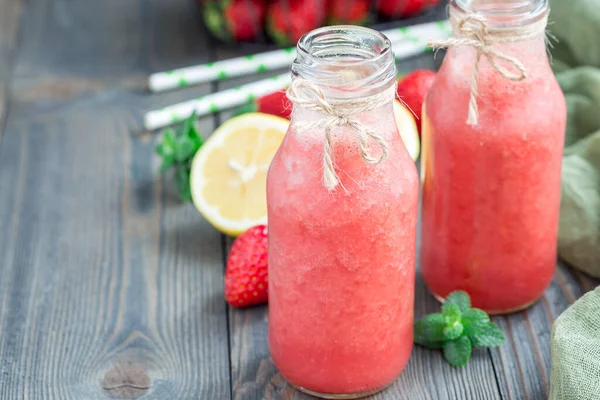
342	246
491	166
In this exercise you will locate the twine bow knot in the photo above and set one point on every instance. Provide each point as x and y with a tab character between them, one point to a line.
473	31
310	96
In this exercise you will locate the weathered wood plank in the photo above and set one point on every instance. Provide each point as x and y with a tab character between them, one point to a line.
523	365
103	269
108	284
77	55
9	23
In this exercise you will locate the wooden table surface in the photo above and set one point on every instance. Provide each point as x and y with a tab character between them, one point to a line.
109	286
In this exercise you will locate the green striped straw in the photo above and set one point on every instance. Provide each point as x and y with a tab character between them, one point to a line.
407	41
215	102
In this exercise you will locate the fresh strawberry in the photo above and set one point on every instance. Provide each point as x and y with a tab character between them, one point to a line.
275	104
413	88
348	12
246	278
288	20
404	8
235	19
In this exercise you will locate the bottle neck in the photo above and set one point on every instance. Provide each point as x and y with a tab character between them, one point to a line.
508	36
345	62
503	14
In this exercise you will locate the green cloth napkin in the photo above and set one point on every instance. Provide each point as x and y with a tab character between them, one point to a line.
576	61
576	333
576	351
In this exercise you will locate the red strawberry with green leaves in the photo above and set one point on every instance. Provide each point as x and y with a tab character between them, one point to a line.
413	88
288	20
275	104
404	8
348	12
236	20
246	277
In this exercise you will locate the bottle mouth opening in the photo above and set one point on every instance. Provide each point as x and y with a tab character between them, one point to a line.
345	59
504	13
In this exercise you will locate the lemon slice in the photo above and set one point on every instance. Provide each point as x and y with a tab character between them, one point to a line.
408	129
229	173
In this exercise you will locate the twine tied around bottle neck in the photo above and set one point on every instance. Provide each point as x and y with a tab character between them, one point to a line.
473	30
310	96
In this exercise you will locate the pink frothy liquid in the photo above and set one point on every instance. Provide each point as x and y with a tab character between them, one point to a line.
341	263
491	193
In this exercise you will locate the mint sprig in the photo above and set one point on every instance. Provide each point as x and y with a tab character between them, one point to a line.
177	150
457	329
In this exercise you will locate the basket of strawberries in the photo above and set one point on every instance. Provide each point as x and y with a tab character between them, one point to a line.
283	22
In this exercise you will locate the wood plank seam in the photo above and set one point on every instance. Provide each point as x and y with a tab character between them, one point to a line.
489	351
13	38
214	87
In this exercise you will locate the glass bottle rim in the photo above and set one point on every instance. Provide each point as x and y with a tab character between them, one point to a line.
504	14
346	60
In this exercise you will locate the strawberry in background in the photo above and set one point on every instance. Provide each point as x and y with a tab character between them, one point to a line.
288	20
413	88
404	8
275	103
235	20
348	12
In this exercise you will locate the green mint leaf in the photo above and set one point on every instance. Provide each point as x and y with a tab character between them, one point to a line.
167	162
177	151
474	320
460	298
452	320
451	313
250	107
453	331
182	180
164	150
191	131
457	352
169	137
433	327
194	135
184	149
189	124
489	336
421	338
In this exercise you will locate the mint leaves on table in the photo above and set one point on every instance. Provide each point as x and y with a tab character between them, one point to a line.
177	150
457	329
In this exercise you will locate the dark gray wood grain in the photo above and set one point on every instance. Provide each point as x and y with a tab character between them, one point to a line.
109	286
9	23
523	364
101	267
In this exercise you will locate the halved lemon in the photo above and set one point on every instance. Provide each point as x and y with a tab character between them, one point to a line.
408	129
229	172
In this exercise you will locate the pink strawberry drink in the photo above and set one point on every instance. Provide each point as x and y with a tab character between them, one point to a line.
342	260
491	192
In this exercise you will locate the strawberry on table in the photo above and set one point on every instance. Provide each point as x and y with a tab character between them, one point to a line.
413	88
275	103
350	12
246	277
236	20
404	8
288	20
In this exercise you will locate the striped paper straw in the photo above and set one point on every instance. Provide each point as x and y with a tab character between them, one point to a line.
215	102
412	37
219	70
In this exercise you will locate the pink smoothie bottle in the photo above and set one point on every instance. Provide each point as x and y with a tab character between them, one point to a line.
493	140
342	196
